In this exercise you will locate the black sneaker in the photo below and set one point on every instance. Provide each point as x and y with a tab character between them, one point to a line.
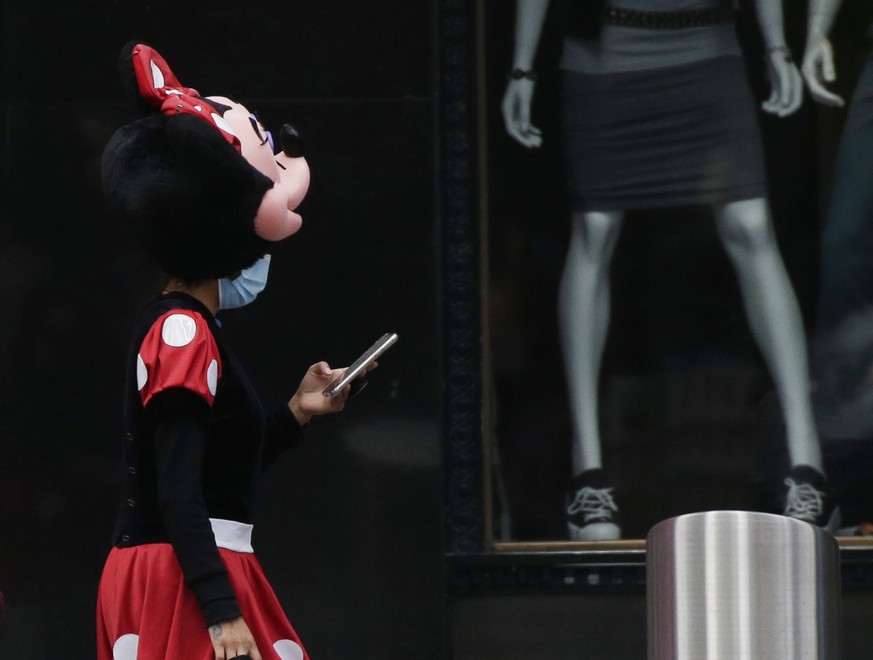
591	509
810	499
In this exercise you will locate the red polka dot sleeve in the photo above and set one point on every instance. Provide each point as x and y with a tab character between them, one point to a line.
178	351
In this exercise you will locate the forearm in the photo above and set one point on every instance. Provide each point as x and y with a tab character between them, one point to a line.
821	17
770	22
529	19
180	442
282	431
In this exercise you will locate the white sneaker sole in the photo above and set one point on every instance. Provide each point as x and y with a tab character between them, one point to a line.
833	525
595	532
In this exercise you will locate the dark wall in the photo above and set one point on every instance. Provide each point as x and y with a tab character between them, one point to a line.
349	529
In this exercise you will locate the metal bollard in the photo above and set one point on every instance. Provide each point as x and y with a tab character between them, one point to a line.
738	585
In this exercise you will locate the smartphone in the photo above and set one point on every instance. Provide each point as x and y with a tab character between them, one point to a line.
360	365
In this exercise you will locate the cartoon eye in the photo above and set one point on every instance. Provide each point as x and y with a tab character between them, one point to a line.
266	136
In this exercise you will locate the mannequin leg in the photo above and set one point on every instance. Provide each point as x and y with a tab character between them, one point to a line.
583	314
747	234
746	230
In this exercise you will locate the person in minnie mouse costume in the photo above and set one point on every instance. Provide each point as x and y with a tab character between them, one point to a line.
198	182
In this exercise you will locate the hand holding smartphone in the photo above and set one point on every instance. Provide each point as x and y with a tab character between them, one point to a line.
359	366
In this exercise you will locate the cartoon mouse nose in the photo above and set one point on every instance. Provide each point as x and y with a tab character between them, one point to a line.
292	143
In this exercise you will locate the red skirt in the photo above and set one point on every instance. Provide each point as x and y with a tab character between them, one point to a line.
145	611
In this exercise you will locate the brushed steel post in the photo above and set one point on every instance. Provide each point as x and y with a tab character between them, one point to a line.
737	585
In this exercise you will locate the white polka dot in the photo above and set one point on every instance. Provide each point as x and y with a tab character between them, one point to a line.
212	376
288	650
125	647
157	76
222	124
142	373
178	330
198	108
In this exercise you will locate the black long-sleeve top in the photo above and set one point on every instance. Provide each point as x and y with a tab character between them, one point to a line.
198	436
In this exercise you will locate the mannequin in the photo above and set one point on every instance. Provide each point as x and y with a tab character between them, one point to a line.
630	57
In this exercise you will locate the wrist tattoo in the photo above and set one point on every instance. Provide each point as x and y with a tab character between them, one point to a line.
215	630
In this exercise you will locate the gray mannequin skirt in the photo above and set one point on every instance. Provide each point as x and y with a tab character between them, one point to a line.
673	136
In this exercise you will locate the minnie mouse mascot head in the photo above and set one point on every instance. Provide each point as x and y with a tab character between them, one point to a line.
198	181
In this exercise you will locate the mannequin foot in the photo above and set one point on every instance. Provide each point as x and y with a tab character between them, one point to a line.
591	511
809	498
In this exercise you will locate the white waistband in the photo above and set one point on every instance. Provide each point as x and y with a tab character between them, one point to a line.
232	535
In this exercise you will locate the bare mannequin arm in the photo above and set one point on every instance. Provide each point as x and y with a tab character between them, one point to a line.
818	59
529	19
769	13
821	17
786	92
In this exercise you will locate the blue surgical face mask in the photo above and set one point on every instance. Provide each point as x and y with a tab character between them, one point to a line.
245	287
